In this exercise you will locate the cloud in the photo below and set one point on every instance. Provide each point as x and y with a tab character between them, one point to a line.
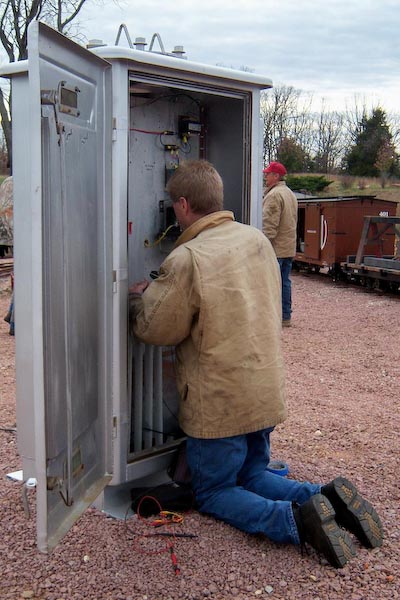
310	44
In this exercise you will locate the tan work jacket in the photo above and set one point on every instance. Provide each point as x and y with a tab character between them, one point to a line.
218	299
280	219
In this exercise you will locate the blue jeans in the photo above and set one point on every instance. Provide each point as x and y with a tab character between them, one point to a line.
286	266
231	483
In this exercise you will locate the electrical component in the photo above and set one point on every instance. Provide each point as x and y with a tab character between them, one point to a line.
188	126
171	164
170	145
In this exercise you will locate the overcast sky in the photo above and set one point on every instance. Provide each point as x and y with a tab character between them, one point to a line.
334	49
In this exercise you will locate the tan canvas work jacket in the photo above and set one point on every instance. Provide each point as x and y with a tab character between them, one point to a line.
218	299
280	219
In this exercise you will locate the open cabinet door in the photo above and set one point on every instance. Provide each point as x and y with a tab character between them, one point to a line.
70	203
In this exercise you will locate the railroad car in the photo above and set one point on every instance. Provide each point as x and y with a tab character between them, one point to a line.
376	269
329	230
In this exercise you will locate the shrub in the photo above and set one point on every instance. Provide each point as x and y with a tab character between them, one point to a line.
347	182
362	184
308	183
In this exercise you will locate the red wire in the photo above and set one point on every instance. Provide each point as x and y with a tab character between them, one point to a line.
169	545
156	502
174	561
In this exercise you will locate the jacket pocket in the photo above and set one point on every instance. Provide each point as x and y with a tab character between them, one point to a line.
185	392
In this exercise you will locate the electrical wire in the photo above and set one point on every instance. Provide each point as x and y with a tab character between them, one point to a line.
150	132
166	132
147	244
172	97
167	518
185	148
168	146
138	548
171	411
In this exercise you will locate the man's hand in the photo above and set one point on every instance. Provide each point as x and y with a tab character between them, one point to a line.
138	287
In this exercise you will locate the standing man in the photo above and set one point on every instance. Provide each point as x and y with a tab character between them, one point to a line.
217	299
280	227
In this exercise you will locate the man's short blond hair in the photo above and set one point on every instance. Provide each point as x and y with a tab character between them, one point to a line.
200	183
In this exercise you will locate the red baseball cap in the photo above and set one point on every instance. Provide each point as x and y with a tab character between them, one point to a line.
275	167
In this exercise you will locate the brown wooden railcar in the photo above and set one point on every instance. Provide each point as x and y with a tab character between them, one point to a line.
329	229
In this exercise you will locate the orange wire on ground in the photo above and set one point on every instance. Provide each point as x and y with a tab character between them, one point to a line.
167	518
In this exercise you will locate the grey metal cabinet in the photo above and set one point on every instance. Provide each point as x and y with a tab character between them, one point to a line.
96	136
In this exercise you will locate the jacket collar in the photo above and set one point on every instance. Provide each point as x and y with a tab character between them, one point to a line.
212	220
279	183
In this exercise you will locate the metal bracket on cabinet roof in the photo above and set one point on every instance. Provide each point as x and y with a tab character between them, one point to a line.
124	28
156	36
140	43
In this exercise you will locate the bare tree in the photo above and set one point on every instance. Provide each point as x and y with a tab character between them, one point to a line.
324	136
277	107
285	112
331	140
393	120
15	17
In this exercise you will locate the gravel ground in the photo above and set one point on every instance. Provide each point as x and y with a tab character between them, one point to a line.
343	393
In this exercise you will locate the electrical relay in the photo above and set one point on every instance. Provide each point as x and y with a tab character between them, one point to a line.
188	126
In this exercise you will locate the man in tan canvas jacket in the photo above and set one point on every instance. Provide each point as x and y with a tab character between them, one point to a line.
218	300
280	225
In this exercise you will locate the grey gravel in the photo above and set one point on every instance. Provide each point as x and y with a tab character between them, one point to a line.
342	360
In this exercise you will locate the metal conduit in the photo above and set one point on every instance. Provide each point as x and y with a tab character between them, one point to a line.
158	397
138	355
147	410
148	397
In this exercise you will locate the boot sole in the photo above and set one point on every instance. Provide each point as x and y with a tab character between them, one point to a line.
331	541
363	519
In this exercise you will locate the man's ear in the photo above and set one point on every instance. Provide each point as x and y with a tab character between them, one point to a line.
184	204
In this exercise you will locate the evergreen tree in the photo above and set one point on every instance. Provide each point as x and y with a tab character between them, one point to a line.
373	134
292	155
